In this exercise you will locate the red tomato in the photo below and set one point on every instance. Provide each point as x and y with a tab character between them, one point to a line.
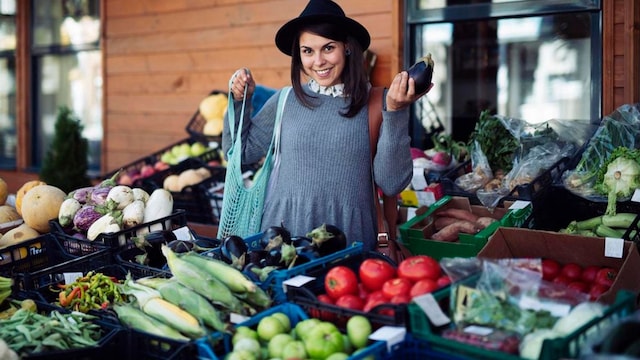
443	281
579	286
374	272
350	301
396	286
422	287
550	269
372	302
340	280
571	271
377	295
418	267
362	291
561	279
597	290
606	276
589	273
320	314
400	299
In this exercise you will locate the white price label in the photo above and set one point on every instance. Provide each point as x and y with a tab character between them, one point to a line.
235	318
390	334
478	330
425	198
296	281
418	181
519	204
70	277
430	306
636	196
613	247
183	233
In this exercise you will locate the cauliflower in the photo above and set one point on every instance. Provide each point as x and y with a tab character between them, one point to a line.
619	176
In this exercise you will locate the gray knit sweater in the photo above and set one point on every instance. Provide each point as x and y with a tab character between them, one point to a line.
325	166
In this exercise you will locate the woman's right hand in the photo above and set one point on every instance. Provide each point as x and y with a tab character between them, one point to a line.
238	81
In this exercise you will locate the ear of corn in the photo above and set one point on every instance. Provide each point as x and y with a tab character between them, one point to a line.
200	281
136	319
152	303
228	275
188	300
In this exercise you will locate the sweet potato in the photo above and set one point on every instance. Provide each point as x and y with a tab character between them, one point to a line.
484	221
458	214
442	221
451	231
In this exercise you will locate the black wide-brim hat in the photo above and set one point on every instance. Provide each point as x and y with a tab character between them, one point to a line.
320	11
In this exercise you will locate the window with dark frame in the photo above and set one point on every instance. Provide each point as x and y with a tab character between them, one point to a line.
534	60
66	68
8	142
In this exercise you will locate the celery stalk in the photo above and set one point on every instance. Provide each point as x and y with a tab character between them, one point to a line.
606	231
620	220
589	224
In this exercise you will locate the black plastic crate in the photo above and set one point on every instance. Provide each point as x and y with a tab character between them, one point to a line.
306	296
142	345
120	239
203	201
151	160
533	191
44	251
113	343
562	206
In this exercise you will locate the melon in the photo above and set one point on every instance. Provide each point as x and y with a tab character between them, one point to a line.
40	205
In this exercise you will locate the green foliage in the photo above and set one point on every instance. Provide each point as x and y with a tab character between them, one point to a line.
497	143
65	164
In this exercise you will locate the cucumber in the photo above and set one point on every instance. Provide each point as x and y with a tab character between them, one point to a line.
620	338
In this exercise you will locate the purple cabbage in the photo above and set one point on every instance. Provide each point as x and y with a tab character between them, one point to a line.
84	217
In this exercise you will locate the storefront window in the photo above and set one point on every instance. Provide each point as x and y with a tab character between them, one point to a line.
537	67
7	84
66	62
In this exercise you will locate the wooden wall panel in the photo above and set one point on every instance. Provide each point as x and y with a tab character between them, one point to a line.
163	56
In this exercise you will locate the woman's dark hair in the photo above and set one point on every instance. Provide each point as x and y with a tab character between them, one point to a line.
354	74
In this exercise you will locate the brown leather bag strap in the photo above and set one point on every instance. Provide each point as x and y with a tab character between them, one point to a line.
388	215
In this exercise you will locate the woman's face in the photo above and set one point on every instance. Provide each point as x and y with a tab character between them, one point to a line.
322	59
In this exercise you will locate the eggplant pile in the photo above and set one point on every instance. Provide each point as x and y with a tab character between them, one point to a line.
277	249
148	250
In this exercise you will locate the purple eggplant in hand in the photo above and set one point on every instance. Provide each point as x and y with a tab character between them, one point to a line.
422	73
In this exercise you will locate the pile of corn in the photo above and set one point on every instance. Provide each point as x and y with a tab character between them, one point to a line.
200	295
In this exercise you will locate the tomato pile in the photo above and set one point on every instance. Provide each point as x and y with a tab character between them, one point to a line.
592	280
378	282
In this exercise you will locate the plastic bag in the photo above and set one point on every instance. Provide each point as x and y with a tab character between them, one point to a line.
620	128
481	173
539	159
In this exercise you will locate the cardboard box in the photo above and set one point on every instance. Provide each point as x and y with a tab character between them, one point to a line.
415	234
564	248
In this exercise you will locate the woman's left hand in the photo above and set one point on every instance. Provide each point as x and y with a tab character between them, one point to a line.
402	92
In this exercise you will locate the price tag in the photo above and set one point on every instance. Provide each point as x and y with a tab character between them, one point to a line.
425	198
70	277
430	306
519	204
613	247
556	309
411	212
183	233
296	281
392	335
478	330
636	196
418	182
237	318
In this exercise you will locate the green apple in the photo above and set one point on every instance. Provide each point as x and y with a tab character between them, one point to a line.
323	340
277	343
268	327
198	148
358	330
184	151
249	344
168	157
240	355
294	350
348	348
338	356
303	327
285	320
244	332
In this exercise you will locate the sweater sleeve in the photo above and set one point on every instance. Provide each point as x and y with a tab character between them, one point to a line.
392	164
256	132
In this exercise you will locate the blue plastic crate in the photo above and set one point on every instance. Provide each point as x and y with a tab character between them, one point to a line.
412	348
376	350
273	284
